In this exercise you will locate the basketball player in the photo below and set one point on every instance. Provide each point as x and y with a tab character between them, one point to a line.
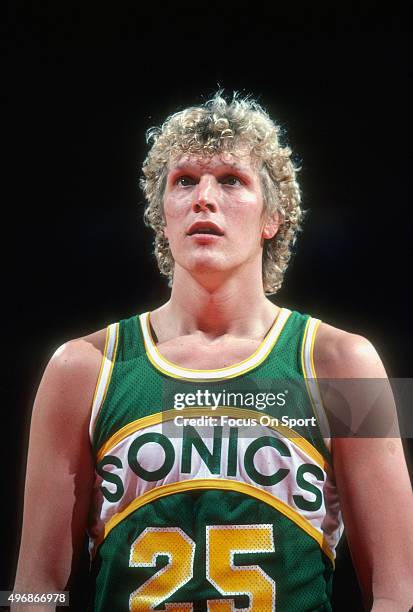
223	521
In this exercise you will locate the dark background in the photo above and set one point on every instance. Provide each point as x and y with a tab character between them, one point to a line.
79	91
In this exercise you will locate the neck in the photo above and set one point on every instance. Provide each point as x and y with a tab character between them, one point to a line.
236	306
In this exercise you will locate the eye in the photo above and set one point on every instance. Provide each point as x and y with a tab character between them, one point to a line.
184	181
230	179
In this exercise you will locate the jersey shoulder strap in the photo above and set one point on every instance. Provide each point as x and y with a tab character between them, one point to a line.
123	345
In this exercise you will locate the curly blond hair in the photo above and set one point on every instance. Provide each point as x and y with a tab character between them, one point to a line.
219	126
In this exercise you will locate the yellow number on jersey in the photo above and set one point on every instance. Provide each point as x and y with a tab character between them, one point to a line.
180	550
223	542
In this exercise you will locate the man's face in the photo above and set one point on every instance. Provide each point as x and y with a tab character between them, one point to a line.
213	209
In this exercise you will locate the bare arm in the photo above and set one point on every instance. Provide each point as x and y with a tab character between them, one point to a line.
60	469
372	477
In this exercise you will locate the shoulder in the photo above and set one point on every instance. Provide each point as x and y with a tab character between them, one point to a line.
341	354
69	381
80	355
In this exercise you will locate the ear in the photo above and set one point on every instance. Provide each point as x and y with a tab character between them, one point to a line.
271	226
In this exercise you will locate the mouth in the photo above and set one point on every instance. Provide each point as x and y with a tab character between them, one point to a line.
205	228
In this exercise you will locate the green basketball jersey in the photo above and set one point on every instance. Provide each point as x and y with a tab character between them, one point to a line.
213	488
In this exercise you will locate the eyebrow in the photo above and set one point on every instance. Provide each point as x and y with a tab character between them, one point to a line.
233	165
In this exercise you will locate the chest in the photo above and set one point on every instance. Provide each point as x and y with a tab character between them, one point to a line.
188	352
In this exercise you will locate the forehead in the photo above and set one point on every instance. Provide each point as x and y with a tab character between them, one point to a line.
240	161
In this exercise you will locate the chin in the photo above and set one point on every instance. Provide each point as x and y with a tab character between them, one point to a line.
205	264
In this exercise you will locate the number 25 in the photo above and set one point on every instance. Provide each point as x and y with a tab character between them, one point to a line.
222	543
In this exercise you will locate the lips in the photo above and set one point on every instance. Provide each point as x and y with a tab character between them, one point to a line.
205	227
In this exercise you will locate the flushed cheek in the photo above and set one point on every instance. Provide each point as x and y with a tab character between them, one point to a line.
240	198
176	207
175	223
173	229
246	211
246	215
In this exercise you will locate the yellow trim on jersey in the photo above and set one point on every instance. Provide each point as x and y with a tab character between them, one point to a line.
105	374
312	375
102	363
316	326
147	320
307	325
168	415
228	377
304	368
221	484
223	370
115	348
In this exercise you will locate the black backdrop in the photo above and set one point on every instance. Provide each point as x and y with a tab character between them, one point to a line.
79	91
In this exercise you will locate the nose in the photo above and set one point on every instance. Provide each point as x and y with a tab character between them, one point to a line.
206	197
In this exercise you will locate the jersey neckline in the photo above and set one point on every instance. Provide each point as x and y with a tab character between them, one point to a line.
176	371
